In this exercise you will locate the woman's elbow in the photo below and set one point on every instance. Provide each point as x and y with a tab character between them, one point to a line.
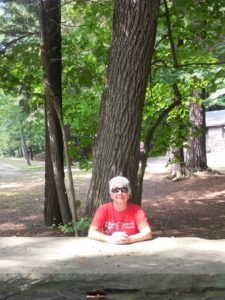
90	233
150	235
93	233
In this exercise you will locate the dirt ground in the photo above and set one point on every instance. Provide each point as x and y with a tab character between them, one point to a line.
193	207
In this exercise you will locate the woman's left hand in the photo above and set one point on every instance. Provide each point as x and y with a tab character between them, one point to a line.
120	238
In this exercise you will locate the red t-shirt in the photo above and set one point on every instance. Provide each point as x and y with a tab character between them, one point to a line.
110	220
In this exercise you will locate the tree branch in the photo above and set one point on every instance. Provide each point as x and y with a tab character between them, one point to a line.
161	117
170	35
6	45
203	64
17	32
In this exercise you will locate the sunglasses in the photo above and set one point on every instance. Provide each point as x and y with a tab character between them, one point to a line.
123	189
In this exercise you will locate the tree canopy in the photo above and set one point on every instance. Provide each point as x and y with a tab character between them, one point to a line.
197	32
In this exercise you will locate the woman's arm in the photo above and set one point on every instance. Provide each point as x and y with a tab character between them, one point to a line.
96	234
120	238
116	238
144	234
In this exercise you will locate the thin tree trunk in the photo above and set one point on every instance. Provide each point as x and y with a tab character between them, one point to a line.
71	197
178	168
52	213
148	139
31	153
117	150
50	21
24	147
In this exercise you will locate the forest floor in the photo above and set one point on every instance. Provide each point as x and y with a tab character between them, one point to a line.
193	207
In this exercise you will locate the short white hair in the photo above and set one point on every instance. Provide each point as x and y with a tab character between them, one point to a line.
114	180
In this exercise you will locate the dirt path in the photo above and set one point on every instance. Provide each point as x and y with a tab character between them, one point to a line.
192	207
7	169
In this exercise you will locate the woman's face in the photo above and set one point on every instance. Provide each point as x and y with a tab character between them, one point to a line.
119	193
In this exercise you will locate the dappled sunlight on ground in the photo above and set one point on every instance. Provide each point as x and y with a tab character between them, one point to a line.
212	195
191	207
30	218
10	185
12	226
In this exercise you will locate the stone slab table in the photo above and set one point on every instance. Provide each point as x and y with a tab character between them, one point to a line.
45	264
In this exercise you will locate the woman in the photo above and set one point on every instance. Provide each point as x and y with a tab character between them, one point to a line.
120	222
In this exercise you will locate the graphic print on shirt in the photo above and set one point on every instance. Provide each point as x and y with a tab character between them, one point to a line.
110	227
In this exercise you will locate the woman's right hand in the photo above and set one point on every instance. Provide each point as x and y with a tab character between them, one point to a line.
119	237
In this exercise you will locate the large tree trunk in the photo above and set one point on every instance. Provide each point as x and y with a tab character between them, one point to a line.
196	152
117	150
50	21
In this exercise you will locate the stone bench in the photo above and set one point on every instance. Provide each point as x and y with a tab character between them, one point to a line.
47	265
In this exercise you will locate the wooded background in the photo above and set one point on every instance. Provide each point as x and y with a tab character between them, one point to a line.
121	72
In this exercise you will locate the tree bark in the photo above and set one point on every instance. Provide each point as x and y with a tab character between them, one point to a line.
118	138
24	147
52	213
50	21
178	167
196	151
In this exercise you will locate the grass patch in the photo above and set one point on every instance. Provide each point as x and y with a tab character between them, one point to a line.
14	203
32	168
21	165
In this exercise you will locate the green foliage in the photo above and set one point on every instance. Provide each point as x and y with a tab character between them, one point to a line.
14	123
86	33
20	63
82	226
21	76
86	29
77	204
216	100
197	33
85	164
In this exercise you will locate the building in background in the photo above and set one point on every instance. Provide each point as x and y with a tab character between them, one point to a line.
215	131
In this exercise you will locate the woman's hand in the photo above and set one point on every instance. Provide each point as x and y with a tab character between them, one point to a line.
119	238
